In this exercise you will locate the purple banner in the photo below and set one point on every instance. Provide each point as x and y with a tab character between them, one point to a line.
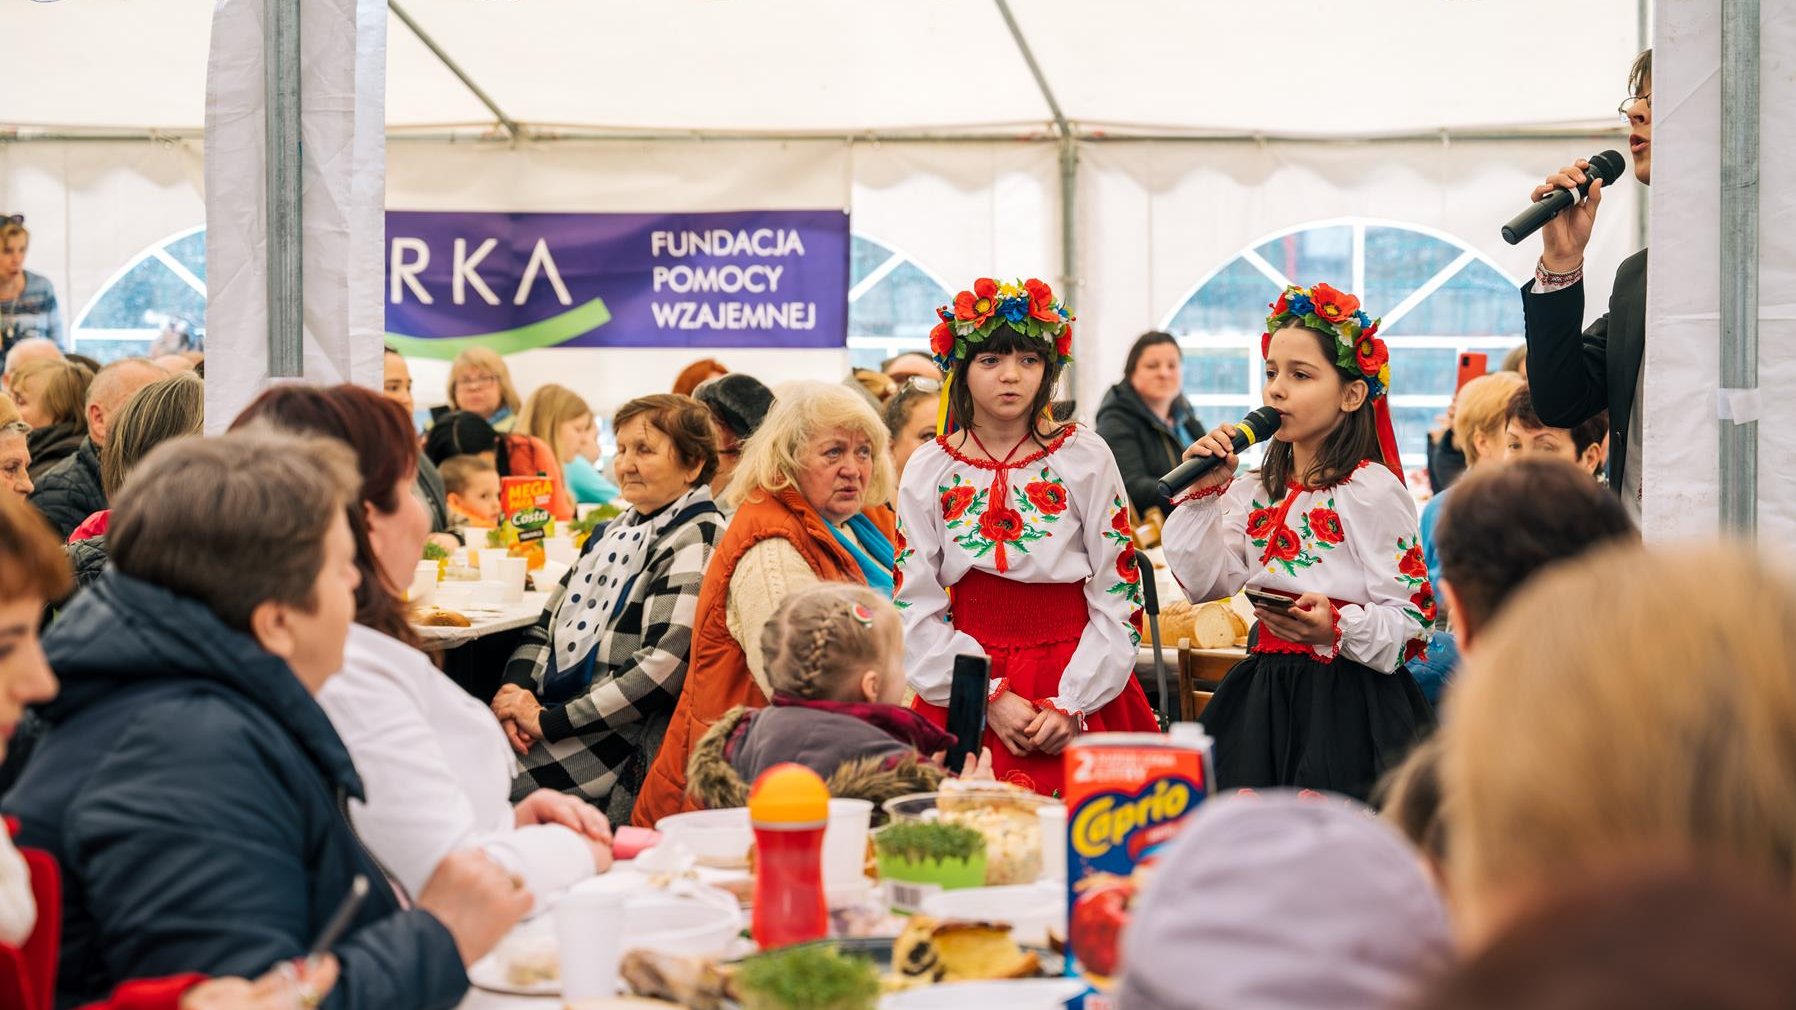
514	282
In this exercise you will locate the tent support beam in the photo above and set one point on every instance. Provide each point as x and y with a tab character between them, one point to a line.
1739	259
513	132
285	254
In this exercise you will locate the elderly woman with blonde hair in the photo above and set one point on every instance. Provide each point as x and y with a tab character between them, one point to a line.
810	496
480	383
1615	712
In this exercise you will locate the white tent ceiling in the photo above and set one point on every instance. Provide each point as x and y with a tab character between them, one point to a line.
890	67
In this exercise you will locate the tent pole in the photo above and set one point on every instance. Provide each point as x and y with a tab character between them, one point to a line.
281	166
1739	264
512	131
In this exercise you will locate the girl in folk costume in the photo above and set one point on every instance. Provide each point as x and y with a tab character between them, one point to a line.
1027	521
1323	701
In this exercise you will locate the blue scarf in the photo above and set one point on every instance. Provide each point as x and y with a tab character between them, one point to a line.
867	547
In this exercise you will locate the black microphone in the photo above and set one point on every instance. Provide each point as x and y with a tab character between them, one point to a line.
1606	166
1255	427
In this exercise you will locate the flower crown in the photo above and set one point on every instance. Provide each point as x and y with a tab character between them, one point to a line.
1028	307
1358	351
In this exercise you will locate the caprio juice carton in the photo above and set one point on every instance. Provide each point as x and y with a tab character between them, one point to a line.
1127	796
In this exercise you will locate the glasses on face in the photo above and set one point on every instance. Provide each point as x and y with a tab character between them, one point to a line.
918	382
12	219
476	381
1635	104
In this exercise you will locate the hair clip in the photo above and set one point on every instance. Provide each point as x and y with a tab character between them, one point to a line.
862	613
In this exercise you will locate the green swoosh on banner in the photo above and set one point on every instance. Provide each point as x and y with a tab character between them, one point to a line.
547	333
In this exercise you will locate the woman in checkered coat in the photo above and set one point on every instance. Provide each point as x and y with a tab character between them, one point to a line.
588	694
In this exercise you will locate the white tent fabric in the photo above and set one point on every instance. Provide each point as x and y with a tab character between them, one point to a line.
1683	360
1298	67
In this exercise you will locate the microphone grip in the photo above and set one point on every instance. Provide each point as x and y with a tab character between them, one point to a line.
1185	474
1536	215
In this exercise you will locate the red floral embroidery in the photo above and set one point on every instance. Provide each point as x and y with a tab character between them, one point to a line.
1413	564
1048	496
1424	601
1017	777
956	500
1001	525
1120	522
1138	621
1414	650
1284	545
1126	566
1325	524
1259	523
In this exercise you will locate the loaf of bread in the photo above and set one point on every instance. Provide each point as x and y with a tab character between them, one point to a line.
437	617
1208	626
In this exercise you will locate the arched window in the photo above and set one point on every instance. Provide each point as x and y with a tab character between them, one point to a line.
1438	297
163	286
891	303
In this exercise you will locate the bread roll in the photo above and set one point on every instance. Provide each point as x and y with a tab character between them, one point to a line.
1213	627
440	618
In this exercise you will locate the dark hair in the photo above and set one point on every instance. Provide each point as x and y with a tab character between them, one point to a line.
1641	71
1152	338
1503	524
390	349
685	421
381	435
1410	798
233	522
32	561
1353	441
1655	937
1585	435
1005	340
459	433
897	409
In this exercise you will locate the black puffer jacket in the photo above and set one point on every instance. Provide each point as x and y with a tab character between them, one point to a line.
88	558
1145	447
50	446
71	491
196	798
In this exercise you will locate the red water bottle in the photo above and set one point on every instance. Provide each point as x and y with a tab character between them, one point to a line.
789	807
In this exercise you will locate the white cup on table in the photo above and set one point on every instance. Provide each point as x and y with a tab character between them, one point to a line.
845	850
589	930
424	584
513	572
489	559
475	537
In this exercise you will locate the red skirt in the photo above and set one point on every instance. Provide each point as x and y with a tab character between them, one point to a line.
1030	631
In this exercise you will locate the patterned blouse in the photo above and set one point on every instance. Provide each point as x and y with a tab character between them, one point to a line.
1355	543
1053	515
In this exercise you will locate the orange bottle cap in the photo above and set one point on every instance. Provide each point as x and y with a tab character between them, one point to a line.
788	794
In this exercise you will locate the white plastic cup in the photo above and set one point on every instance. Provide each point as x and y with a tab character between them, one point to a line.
845	850
559	550
513	572
589	931
475	537
490	560
1053	841
424	584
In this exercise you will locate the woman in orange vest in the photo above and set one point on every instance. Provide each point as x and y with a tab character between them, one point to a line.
810	495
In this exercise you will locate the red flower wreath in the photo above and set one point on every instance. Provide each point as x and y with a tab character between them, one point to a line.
978	305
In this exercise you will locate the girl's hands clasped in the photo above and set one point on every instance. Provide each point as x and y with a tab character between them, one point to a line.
1309	621
1219	442
1011	718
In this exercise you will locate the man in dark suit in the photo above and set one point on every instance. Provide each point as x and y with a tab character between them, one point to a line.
1575	375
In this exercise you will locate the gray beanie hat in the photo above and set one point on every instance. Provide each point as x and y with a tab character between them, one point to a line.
741	401
1280	902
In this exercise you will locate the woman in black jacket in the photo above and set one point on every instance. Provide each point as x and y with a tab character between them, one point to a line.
191	789
1147	420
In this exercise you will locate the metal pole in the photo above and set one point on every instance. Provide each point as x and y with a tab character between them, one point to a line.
1740	261
512	130
281	159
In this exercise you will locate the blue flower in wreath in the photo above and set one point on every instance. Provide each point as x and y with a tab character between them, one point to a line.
1014	309
1302	306
1363	319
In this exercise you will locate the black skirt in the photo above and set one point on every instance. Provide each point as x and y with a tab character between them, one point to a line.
1284	719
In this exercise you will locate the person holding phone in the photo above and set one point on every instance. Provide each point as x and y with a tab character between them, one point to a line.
1324	700
1027	519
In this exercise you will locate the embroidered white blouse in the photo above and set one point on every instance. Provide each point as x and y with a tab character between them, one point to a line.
1355	543
1055	515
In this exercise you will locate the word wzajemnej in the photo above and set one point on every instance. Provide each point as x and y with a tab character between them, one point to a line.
735	315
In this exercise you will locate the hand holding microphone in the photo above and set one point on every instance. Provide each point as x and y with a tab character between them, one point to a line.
1557	212
1222	446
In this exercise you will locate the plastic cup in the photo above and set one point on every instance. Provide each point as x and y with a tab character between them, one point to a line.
513	572
589	930
424	584
490	559
845	850
1053	841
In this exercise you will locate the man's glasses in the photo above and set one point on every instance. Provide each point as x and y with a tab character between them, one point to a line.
922	384
1630	103
476	381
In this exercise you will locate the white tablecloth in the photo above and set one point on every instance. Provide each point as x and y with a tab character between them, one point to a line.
515	615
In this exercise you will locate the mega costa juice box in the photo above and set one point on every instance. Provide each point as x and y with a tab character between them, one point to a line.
525	504
1127	795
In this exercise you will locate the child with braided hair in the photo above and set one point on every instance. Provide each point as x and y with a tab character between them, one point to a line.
835	655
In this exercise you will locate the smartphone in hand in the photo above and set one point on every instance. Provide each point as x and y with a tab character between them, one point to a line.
966	708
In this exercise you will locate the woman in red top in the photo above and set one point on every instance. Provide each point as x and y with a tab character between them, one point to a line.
34	570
